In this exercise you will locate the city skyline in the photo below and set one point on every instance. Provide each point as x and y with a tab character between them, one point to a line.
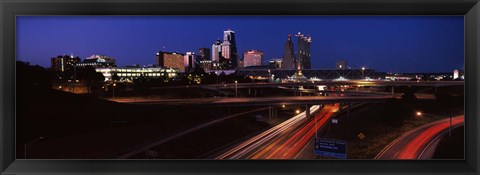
434	44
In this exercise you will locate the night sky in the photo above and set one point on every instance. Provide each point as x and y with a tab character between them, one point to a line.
385	43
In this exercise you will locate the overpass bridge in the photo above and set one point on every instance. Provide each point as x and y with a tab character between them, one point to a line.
263	101
325	83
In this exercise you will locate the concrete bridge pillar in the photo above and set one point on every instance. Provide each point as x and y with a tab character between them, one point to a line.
348	109
307	112
272	112
393	91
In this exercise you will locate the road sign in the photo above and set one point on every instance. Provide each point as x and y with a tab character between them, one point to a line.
331	148
334	121
361	136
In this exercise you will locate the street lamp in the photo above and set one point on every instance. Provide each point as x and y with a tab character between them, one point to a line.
449	130
363	69
297	111
236	92
25	146
113	92
419	113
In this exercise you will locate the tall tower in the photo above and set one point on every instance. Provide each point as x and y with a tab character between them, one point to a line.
288	54
216	50
303	55
229	49
189	61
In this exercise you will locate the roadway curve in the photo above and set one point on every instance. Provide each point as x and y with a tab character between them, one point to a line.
283	141
414	143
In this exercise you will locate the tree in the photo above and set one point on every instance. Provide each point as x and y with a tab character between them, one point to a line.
92	78
115	77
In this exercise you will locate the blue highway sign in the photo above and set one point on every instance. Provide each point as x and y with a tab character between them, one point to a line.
331	148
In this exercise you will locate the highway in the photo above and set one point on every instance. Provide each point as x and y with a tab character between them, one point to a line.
415	143
285	140
251	101
317	83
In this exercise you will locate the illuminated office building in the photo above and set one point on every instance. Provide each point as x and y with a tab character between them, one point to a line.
252	58
189	61
229	50
216	51
131	73
64	63
98	61
171	60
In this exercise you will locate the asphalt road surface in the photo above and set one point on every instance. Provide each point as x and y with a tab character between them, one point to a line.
415	143
284	141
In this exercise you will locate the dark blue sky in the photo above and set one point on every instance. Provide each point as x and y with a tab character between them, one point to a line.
386	43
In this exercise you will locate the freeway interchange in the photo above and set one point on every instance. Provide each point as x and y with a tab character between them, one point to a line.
292	138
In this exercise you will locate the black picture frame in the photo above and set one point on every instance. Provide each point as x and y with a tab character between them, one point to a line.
9	9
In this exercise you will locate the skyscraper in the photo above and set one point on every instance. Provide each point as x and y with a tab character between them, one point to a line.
216	51
229	50
303	54
252	58
288	54
189	61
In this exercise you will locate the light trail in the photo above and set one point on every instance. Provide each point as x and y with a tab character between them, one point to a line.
266	136
284	140
418	144
412	144
295	143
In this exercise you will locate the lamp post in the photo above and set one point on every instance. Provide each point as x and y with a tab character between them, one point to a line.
269	75
25	146
113	90
363	76
236	90
450	128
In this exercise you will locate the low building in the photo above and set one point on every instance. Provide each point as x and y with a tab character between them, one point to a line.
98	61
131	73
206	65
